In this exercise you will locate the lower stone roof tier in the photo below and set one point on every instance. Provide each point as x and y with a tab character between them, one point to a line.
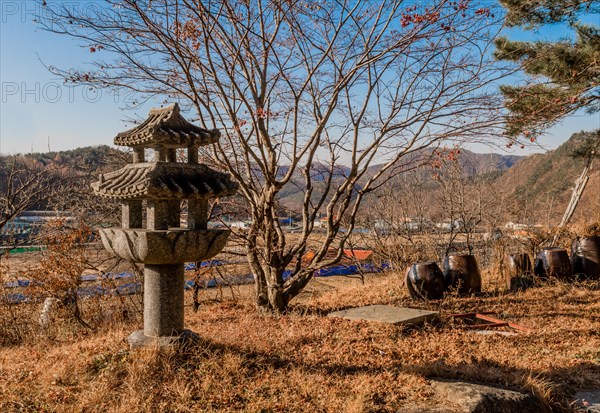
165	180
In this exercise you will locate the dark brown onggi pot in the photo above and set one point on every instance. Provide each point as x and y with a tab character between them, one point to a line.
425	281
519	271
585	256
553	262
461	272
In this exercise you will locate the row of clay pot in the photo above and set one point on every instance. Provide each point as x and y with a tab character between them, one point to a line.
585	256
555	262
459	272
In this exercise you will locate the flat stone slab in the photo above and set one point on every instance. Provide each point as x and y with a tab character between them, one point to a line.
588	401
483	398
387	314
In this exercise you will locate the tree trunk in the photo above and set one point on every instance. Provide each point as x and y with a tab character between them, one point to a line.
268	282
260	289
276	300
260	281
580	185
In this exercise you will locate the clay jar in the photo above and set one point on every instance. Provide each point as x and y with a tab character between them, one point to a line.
553	262
425	281
518	271
461	272
585	256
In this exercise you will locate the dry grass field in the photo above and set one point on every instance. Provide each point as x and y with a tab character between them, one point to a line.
307	362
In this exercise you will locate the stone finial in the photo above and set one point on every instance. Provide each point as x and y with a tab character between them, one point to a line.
167	127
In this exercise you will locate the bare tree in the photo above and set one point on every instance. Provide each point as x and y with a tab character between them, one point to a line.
300	89
23	185
463	199
398	217
76	177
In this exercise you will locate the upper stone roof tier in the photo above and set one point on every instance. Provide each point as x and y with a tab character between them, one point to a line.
166	127
164	180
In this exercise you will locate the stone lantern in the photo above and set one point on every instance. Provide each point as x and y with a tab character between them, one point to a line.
151	193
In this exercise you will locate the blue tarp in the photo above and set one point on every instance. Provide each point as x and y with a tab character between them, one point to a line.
109	276
87	277
348	270
133	288
88	291
14	298
212	263
129	288
17	283
122	275
231	280
95	290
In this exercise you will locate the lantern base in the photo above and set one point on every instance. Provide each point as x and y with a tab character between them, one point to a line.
139	340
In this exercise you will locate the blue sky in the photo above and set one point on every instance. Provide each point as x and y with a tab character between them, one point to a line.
37	109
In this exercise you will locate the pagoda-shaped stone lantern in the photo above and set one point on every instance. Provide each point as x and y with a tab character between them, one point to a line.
155	188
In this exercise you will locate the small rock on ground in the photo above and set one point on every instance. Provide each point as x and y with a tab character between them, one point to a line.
479	398
588	401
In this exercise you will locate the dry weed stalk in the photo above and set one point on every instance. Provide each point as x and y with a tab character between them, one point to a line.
61	264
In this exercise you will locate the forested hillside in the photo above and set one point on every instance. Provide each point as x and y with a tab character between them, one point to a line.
538	187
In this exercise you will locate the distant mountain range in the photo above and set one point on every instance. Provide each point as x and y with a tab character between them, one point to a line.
473	164
535	188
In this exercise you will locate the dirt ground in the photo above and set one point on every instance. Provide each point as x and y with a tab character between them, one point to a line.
306	361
